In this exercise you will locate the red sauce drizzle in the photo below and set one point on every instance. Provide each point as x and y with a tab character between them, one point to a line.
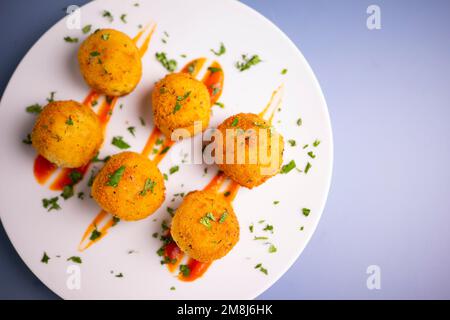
197	269
43	169
64	178
214	79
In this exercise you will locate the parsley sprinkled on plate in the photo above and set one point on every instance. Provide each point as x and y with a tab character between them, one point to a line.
105	36
123	17
284	71
247	62
51	98
221	50
45	258
169	64
272	249
261	268
69	121
95	234
106	14
34	108
316	143
142	121
120	143
174	169
220	104
172	288
276	202
70	40
311	154
268	228
67	192
185	270
251	227
299	122
149	185
306	211
260	238
115	177
51	204
120	275
116	220
292	142
132	130
27	140
86	28
75	259
308	166
288	167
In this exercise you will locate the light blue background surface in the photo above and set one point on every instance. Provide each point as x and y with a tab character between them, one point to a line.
389	99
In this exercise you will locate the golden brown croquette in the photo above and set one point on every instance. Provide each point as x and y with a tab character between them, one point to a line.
110	62
67	134
179	100
263	156
205	226
129	186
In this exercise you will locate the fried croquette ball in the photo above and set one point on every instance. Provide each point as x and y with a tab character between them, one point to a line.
179	100
67	134
129	186
110	62
261	149
205	226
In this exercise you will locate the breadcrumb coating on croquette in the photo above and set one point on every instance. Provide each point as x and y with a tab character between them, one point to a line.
205	226
129	186
179	100
110	62
67	134
247	173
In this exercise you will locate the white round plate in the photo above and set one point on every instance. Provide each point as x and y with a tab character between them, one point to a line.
194	27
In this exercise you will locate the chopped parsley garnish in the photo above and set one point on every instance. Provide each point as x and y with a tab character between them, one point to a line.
34	108
284	71
288	167
132	130
276	202
69	121
51	204
86	28
308	166
226	193
247	63
97	159
45	258
105	36
305	146
91	179
166	177
292	142
70	40
171	211
210	216
299	122
174	169
81	195
172	288
94	53
251	227
311	154
95	234
191	67
213	69
206	222
115	177
169	64
159	141
223	217
306	211
221	50
185	270
220	104
142	121
120	143
67	192
268	228
272	249
179	100
261	268
235	122
302	228
27	140
108	15
123	17
75	259
51	98
120	275
316	143
260	238
149	185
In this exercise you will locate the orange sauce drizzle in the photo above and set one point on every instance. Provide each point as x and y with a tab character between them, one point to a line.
151	141
64	177
272	105
91	97
194	67
197	269
214	79
144	46
93	226
232	191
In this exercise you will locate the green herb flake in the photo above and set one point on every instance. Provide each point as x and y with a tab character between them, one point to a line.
70	40
235	122
172	288
51	98
227	194
169	64
292	142
69	121
272	249
210	216
67	192
120	275
316	143
45	258
284	71
75	259
299	122
220	104
260	238
115	177
223	217
81	195
268	228
213	69
312	155
247	63
51	204
105	36
86	28
106	14
221	50
261	268
149	185
305	146
185	270
306	211
171	211
116	220
95	234
27	140
34	109
174	169
132	130
142	121
308	166
94	53
288	167
120	143
251	227
123	17
276	202
206	222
